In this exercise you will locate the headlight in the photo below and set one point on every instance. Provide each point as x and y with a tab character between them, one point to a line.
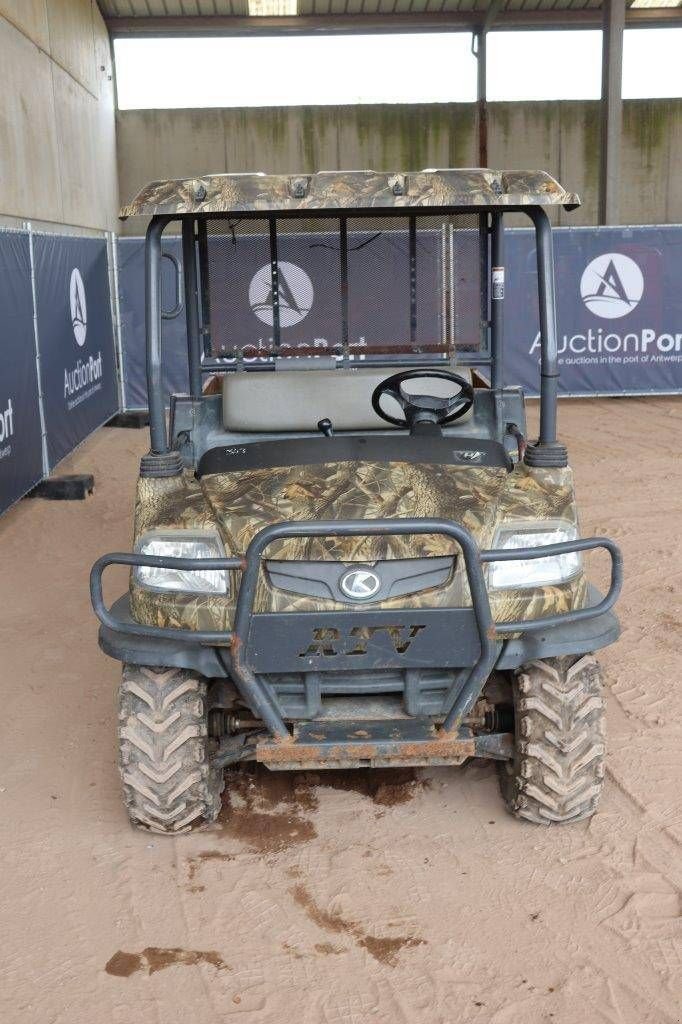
182	545
534	572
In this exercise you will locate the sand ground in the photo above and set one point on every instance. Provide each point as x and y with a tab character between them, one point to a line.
353	897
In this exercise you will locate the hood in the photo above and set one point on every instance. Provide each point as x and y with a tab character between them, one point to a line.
241	502
245	501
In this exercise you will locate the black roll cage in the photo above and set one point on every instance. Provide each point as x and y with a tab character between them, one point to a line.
466	643
547	452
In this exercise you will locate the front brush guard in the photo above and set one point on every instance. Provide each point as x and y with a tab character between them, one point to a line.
239	644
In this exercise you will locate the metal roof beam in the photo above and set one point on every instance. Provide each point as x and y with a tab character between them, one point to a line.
349	24
611	111
480	49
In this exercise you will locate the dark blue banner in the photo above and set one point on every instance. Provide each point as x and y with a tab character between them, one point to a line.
75	336
619	310
619	304
131	311
20	430
241	313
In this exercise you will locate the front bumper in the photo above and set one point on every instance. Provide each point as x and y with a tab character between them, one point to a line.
568	638
465	642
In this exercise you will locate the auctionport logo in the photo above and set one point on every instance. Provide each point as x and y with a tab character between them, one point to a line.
85	378
612	285
79	309
295	291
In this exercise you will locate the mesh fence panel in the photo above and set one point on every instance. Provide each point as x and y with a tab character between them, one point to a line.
396	285
467	305
370	288
310	285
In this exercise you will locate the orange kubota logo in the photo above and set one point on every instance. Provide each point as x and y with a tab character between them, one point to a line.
329	642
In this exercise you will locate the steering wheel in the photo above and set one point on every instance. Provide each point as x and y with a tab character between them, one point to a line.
423	408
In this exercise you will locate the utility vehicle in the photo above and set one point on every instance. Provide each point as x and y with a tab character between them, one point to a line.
346	551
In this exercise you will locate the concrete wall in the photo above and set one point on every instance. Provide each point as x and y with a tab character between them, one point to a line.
561	137
57	122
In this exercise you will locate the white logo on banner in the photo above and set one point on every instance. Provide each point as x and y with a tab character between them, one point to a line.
295	294
85	378
79	309
611	285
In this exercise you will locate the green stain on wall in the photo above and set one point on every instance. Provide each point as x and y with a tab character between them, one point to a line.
591	141
269	128
378	137
646	125
408	137
523	127
501	112
391	137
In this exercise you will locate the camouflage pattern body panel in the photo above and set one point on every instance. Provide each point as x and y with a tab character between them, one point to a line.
239	504
246	501
349	190
175	503
530	495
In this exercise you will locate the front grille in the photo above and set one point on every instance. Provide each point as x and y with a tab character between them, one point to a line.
355	583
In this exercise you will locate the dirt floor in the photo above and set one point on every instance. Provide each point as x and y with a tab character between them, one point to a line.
351	897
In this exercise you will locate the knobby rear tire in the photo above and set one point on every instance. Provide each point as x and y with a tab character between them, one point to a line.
168	784
558	767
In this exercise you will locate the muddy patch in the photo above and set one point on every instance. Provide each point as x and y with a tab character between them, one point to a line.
327	949
195	863
385	949
387	787
384	786
268	811
251	812
267	833
266	791
322	918
158	958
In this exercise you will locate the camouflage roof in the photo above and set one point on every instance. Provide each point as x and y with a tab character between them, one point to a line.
349	190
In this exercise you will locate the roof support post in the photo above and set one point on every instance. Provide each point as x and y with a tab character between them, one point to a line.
189	266
157	406
548	452
611	110
496	285
160	461
202	241
496	290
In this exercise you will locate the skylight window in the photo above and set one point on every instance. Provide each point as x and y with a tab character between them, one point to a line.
293	71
